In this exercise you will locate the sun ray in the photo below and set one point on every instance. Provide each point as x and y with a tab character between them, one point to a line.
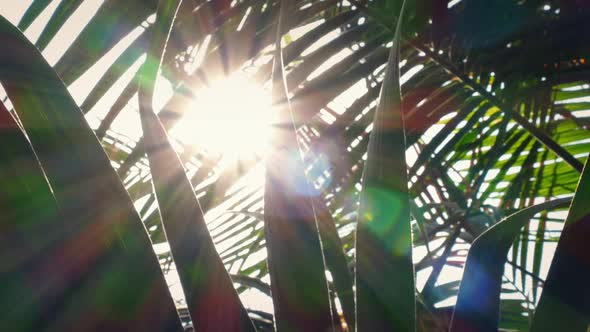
231	118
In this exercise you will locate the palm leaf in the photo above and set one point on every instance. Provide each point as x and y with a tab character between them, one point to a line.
98	212
478	303
468	69
294	250
31	225
213	302
113	21
384	270
565	290
32	12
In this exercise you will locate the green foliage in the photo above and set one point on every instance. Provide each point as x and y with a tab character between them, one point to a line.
89	280
494	100
213	303
384	270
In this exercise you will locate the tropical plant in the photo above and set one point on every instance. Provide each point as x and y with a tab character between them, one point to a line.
411	140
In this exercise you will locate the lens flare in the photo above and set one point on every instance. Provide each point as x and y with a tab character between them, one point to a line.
231	118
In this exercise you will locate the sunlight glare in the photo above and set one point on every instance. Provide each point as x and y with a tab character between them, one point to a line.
231	118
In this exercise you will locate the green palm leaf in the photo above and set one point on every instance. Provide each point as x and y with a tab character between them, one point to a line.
99	211
384	270
213	303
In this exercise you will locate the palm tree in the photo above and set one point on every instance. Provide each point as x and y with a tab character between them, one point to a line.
423	158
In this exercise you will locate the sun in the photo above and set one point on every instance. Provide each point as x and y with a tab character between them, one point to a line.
232	118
